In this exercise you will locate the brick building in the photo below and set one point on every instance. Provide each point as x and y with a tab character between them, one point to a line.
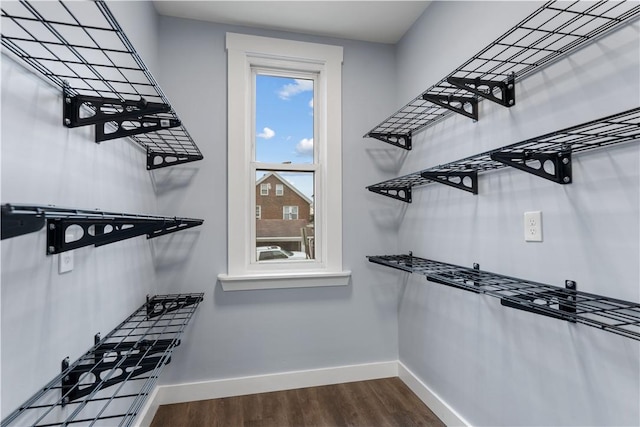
284	216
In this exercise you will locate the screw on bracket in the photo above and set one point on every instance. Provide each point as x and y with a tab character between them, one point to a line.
569	305
476	267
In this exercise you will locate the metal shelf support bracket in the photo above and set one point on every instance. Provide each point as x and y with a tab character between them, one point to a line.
132	126
455	103
93	232
399	140
115	363
553	304
81	110
16	224
99	232
555	167
161	160
467	181
159	304
403	194
503	93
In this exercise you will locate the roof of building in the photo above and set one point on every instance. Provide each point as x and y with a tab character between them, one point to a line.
285	182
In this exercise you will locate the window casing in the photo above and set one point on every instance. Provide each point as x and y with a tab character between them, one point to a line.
264	189
246	56
279	189
258	212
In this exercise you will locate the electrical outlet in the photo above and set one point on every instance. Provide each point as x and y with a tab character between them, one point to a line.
65	262
533	226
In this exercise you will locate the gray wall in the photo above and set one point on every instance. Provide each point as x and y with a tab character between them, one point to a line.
257	332
47	316
494	365
233	334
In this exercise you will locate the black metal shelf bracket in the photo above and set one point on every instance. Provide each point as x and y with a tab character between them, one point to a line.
467	106
399	140
18	223
160	160
548	156
555	167
552	304
549	33
500	92
605	313
69	229
80	48
83	110
463	180
402	193
163	304
128	359
121	128
132	356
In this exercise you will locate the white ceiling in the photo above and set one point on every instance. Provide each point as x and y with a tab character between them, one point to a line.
374	21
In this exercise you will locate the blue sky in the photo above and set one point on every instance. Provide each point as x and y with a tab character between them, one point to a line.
284	125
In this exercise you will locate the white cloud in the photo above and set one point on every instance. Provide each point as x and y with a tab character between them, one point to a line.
292	89
266	133
305	146
311	103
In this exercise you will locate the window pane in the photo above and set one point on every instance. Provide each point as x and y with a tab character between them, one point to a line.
285	227
284	120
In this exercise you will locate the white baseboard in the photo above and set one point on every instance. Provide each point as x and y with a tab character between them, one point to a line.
439	407
190	392
165	395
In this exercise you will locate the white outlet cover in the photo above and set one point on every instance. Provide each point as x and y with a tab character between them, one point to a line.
533	226
65	262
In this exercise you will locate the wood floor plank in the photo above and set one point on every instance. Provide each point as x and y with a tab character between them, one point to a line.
381	403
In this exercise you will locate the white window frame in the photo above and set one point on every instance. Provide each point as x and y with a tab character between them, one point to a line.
264	189
258	212
286	213
279	189
245	54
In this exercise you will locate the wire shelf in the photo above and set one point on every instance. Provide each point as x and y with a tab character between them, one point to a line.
529	155
552	31
79	47
609	314
108	385
69	229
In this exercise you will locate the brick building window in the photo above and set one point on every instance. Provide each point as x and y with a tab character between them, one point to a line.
289	212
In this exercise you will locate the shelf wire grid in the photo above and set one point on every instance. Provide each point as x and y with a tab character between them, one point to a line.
615	129
105	405
550	32
609	314
53	212
79	47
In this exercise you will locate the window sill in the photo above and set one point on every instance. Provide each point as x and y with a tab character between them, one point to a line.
283	281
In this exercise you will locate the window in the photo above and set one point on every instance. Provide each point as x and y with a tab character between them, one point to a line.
264	189
289	212
314	165
258	212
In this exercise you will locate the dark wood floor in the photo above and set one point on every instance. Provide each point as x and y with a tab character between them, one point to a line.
377	403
